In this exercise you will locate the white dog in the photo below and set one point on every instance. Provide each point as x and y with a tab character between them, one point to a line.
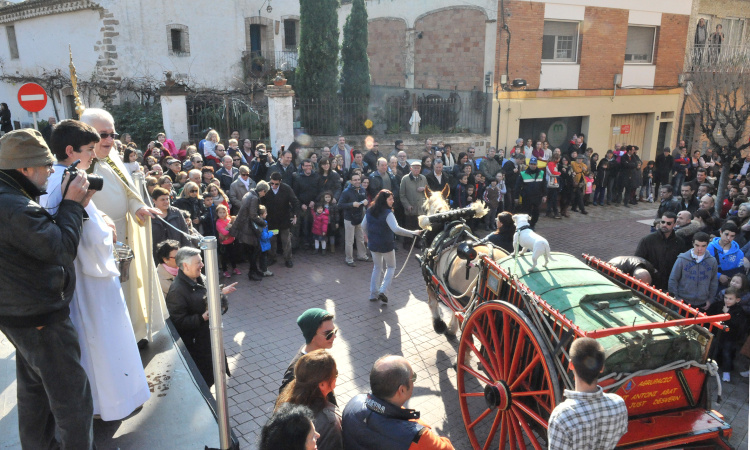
525	238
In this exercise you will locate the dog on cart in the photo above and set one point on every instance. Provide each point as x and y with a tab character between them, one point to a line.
526	239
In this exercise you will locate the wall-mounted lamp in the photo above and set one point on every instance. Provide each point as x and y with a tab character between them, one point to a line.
419	35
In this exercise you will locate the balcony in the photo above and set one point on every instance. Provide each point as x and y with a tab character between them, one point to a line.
258	63
700	58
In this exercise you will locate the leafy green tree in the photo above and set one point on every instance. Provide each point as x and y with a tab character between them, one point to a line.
142	121
355	67
318	64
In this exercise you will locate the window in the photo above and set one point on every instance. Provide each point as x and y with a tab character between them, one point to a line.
176	36
12	44
733	31
640	45
290	35
178	41
560	41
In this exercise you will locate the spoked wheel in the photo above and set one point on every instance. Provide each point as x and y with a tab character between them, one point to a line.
507	383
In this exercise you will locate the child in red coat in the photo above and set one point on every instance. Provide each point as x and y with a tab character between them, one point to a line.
320	228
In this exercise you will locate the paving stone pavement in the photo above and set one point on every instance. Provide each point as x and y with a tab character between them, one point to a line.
262	336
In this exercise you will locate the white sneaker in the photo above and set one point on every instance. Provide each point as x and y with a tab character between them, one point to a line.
745	374
267	273
725	377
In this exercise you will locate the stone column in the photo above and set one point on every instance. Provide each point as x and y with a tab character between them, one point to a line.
174	115
174	110
280	115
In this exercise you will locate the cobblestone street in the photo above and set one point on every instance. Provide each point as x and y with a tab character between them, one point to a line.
261	334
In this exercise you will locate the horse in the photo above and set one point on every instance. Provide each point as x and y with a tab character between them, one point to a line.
445	230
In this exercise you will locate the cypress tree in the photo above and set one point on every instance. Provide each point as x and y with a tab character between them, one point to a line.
355	71
317	66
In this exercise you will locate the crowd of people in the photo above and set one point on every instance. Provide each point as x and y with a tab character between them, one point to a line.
262	205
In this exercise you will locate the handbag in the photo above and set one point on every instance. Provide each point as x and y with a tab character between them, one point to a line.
553	181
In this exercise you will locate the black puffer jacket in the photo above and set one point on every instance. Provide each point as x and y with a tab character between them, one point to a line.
186	302
37	277
281	207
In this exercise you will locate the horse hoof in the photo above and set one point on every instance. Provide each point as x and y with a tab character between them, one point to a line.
439	326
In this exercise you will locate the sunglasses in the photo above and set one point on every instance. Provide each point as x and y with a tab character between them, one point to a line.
244	174
194	191
666	222
236	159
330	334
107	135
274	184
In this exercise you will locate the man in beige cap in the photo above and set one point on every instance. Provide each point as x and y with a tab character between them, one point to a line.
123	205
37	280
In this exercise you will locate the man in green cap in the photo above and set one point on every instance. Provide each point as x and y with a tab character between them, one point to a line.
53	390
319	332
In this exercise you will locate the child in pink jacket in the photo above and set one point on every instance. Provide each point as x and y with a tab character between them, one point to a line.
320	228
227	246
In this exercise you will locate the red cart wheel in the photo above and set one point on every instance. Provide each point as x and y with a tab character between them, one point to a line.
505	402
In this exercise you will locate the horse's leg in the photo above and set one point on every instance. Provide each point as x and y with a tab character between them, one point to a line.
437	321
452	327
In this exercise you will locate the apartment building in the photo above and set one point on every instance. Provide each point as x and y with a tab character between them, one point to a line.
608	69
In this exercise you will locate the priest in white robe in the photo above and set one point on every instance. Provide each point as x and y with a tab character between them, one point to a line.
124	206
109	353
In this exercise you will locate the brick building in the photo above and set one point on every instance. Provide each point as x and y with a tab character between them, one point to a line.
734	17
609	70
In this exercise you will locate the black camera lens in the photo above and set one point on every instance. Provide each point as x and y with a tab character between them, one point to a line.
96	182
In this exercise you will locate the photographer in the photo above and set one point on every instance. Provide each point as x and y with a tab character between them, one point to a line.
53	391
98	312
260	164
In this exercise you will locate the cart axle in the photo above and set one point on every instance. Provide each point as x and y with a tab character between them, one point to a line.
497	396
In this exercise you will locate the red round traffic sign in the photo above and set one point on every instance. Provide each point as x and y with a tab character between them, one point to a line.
32	97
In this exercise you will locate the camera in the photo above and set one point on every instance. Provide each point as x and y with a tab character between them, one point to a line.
96	182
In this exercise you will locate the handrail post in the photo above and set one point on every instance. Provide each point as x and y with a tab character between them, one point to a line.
209	245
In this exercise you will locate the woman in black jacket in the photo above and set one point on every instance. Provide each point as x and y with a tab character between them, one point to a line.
6	125
191	201
503	237
329	180
188	309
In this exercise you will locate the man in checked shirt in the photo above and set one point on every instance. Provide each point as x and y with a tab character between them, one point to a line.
588	418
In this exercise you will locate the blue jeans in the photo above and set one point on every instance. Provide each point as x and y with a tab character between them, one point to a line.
53	389
380	260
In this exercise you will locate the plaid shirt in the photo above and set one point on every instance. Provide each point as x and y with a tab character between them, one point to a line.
591	421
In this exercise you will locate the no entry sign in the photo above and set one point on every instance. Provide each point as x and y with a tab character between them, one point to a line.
32	97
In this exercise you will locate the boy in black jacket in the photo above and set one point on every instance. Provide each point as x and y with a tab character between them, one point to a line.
730	339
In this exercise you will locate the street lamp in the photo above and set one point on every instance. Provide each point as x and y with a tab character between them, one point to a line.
268	9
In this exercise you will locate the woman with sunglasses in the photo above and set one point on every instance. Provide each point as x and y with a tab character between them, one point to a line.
315	378
378	226
191	201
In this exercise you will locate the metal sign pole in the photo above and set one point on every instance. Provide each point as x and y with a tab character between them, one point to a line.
36	125
209	245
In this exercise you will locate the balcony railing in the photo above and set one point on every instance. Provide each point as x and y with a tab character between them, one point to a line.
268	61
707	56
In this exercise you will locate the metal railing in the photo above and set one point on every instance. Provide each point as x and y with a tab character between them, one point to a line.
454	112
703	57
225	113
269	60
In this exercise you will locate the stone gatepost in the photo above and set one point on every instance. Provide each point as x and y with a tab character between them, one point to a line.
174	110
280	114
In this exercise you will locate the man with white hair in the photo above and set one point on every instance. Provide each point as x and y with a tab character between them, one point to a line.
124	209
227	174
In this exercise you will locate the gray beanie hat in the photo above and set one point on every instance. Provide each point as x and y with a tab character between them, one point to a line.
24	148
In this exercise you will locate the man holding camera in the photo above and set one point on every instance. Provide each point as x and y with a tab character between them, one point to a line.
37	280
121	202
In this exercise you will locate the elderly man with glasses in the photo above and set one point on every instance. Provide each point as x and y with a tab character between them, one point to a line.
283	207
124	209
239	187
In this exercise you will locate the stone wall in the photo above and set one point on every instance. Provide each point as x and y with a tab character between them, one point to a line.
386	49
